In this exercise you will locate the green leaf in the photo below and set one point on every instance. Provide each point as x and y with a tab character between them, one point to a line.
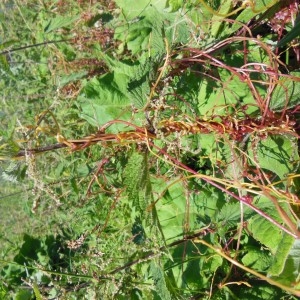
286	93
132	11
230	215
59	22
74	186
257	259
135	78
4	64
145	34
3	291
276	153
171	211
138	232
72	77
103	100
264	231
261	291
280	257
23	295
286	266
159	281
136	181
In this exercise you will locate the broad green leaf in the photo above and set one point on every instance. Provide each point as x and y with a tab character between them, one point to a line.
286	266
276	153
261	291
171	211
134	79
263	230
159	281
213	94
230	215
145	34
23	295
178	213
286	93
208	203
132	11
280	257
257	259
103	100
196	268
135	180
59	22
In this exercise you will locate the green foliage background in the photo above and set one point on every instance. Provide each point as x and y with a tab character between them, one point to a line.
127	220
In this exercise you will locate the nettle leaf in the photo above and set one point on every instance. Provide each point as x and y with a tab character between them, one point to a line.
276	153
147	32
257	259
159	281
262	229
171	211
144	33
112	95
103	100
59	22
136	180
198	267
132	11
208	203
286	93
230	215
177	213
136	78
138	232
281	255
211	93
263	291
286	265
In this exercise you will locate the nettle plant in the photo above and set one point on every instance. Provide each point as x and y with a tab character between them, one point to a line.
190	168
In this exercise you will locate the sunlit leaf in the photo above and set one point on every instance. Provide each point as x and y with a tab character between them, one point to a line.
286	93
286	265
59	22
